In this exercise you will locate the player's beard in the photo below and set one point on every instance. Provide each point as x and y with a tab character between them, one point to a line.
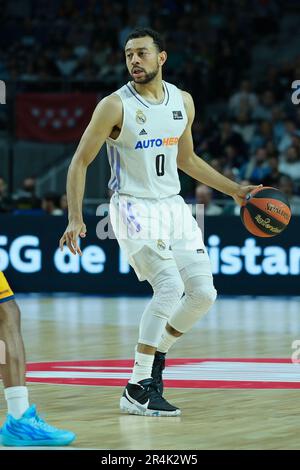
148	77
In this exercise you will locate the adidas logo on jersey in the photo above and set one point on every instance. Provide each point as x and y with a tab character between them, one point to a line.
143	132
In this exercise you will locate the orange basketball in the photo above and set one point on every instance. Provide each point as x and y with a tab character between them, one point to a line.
266	212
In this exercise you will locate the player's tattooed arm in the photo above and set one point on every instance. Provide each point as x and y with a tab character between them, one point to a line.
197	168
107	115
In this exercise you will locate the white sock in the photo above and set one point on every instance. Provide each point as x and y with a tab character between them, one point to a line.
142	367
167	340
17	400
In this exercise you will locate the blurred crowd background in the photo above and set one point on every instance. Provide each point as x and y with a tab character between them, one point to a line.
238	59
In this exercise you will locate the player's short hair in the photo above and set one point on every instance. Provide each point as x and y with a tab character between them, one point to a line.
143	32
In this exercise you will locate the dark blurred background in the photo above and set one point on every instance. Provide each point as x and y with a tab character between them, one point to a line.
237	58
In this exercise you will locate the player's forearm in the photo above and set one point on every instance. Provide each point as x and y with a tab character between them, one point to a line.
75	189
204	173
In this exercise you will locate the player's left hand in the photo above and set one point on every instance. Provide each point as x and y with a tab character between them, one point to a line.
241	193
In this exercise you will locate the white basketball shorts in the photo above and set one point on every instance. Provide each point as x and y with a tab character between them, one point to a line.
163	227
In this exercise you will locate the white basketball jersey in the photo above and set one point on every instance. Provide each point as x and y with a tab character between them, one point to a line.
143	159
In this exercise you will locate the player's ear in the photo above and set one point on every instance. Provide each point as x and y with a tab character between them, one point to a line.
162	57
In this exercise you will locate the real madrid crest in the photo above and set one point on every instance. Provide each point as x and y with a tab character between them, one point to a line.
161	244
140	117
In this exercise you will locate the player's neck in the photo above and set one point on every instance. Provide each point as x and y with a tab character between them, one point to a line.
153	91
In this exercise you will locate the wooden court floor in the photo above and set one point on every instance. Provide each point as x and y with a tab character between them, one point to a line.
70	328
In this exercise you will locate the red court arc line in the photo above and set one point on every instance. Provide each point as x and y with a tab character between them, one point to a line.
129	362
215	384
118	371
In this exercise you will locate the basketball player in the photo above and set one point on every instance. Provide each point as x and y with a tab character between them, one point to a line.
146	125
23	426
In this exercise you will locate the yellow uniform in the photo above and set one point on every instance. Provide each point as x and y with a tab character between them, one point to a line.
5	291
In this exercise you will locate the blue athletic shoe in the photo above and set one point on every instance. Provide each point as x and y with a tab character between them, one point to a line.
31	430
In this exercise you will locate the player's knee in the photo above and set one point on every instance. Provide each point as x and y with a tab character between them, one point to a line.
202	293
171	287
168	291
207	295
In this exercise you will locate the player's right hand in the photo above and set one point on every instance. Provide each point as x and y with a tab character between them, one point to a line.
70	237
